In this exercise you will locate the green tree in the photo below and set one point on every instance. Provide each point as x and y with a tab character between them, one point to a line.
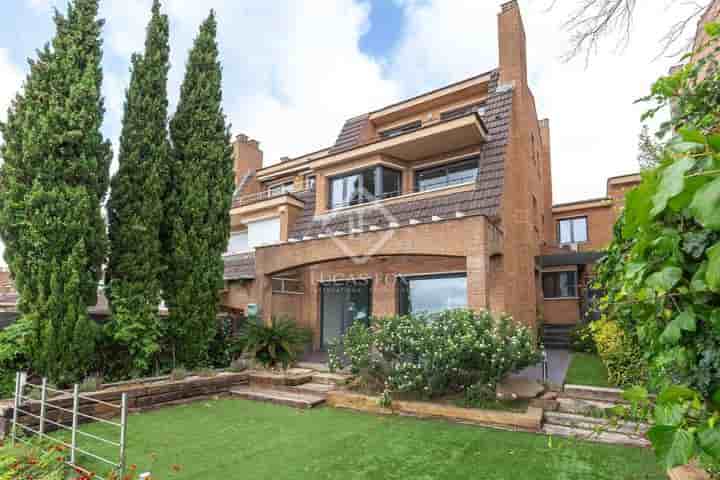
135	208
52	184
198	202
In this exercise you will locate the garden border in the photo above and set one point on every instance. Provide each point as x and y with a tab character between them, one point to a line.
529	421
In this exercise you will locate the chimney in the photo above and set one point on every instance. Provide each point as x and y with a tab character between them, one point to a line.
511	42
248	158
546	159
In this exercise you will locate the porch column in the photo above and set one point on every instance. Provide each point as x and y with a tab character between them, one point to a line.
478	266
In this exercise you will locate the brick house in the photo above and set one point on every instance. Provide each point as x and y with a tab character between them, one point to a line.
442	200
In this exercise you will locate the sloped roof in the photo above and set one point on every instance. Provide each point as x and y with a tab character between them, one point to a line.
485	199
240	267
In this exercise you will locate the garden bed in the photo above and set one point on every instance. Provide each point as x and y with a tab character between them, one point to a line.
530	420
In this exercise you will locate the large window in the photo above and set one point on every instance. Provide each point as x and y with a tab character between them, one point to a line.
432	293
364	186
560	284
445	175
238	243
263	232
573	230
287	187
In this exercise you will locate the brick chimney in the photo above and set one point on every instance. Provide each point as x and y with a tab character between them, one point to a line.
511	42
248	158
546	164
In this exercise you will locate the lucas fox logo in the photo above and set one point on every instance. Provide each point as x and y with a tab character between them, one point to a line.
372	218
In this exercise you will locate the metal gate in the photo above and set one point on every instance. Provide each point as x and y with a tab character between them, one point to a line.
46	405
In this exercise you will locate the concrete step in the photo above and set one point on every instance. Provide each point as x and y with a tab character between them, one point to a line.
330	378
291	377
595	436
313	388
594	423
317	366
594	393
280	397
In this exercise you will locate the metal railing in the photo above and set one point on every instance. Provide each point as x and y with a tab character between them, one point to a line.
269	194
44	421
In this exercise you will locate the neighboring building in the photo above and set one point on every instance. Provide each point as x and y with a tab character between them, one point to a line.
442	200
581	231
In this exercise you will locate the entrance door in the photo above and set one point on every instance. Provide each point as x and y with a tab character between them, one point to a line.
342	304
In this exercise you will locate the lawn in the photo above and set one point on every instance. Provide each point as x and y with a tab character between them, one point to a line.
587	369
237	439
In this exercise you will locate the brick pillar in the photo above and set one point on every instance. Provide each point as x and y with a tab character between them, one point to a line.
478	265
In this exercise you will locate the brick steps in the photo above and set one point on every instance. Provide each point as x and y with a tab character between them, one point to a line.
330	378
280	397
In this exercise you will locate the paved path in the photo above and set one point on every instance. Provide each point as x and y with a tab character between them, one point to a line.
558	362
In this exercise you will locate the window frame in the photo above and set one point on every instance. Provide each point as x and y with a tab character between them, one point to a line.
284	188
557	293
572	230
473	160
400	130
462	111
403	287
377	171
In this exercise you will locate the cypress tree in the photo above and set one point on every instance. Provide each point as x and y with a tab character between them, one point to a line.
199	199
52	184
135	209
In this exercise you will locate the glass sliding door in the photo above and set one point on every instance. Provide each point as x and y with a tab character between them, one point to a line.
342	304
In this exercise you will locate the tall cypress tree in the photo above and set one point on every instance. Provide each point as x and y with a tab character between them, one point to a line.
199	199
135	209
52	184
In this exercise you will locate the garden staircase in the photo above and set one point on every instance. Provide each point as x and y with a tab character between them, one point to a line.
295	387
579	413
557	336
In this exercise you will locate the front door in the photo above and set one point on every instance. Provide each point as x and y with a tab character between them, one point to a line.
342	304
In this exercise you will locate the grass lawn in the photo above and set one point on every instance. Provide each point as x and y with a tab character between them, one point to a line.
237	439
587	369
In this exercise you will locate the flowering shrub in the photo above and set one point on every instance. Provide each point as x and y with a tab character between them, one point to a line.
41	462
447	352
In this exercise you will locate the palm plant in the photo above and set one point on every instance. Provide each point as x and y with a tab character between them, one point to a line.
278	343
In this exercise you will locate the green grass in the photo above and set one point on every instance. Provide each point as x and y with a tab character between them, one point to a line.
587	369
236	439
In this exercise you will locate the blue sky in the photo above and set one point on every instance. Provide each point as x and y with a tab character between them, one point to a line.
294	69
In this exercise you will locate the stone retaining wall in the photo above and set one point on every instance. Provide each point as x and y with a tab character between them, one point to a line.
141	396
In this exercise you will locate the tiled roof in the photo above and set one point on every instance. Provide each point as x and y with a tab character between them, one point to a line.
349	136
240	267
483	200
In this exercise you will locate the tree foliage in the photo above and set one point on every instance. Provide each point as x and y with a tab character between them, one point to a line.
661	274
52	184
135	208
198	202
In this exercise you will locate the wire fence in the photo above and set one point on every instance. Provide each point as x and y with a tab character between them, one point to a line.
47	406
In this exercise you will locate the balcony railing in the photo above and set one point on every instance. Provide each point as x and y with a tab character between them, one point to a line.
267	195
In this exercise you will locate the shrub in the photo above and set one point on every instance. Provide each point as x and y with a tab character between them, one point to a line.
238	365
14	354
225	346
621	355
91	384
205	372
581	339
40	461
432	356
279	343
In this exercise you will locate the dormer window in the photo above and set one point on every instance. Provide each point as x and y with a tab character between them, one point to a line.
364	186
394	132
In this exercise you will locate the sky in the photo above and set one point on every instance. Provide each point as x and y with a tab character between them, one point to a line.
294	70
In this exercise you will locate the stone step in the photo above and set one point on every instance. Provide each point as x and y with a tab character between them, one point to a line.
581	406
281	397
594	423
330	378
291	377
594	436
320	389
317	366
594	393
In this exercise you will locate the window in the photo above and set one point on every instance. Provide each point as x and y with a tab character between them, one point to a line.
394	132
451	174
560	284
310	182
572	230
459	112
263	232
238	243
364	186
287	187
431	294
